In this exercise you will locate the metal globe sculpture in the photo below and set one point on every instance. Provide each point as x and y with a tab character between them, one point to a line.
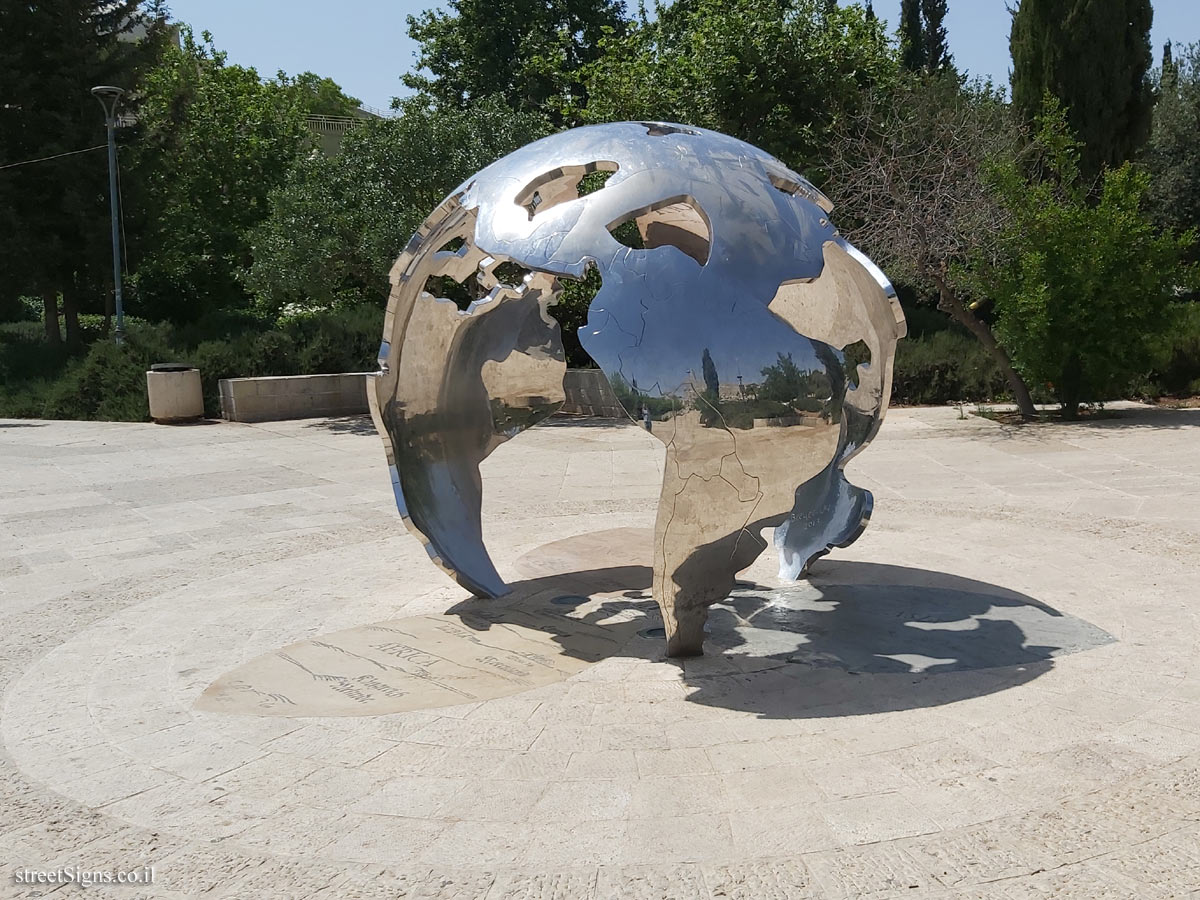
732	319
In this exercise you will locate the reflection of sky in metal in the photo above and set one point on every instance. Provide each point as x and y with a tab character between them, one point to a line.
659	309
742	337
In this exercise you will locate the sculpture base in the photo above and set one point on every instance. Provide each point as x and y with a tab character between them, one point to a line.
861	618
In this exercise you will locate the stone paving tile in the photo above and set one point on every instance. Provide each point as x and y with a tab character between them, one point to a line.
368	838
588	764
733	778
650	883
877	817
780	831
653	763
1173	859
976	856
765	880
878	870
414	796
567	885
480	843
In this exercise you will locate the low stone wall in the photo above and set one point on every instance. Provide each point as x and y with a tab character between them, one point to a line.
589	394
280	397
293	397
789	421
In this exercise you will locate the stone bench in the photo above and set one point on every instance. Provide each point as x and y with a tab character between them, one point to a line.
273	398
588	394
278	397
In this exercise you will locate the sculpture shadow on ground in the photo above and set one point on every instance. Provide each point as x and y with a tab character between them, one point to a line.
856	638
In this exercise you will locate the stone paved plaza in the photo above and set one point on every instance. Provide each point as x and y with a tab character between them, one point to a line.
995	693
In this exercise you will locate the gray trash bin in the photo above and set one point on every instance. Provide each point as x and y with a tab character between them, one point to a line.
175	393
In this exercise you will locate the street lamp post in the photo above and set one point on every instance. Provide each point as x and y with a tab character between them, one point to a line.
108	97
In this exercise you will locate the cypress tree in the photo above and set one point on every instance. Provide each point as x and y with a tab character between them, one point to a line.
1169	72
1094	56
937	50
912	36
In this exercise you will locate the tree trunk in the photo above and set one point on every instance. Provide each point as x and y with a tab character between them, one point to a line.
71	312
1069	388
50	309
949	302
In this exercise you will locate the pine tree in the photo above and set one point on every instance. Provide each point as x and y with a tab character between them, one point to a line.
912	36
937	50
1094	56
870	12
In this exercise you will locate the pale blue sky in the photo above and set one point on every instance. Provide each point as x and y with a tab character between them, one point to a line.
364	46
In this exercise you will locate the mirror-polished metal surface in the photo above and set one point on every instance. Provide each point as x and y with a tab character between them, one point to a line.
732	321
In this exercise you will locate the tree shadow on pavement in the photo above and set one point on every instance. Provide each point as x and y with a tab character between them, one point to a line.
1154	417
345	425
1148	417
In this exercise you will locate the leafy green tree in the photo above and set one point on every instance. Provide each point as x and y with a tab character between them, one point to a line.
1172	154
1083	290
320	96
527	51
215	141
337	225
1094	56
783	382
912	36
776	74
54	224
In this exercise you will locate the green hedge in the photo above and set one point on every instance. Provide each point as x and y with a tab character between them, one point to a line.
102	381
944	367
107	382
1179	371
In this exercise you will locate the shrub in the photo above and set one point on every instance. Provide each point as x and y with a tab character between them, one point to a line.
1179	371
25	400
91	326
312	343
26	355
345	339
109	383
944	367
220	325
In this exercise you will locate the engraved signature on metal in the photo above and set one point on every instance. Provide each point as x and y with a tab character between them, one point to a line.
732	321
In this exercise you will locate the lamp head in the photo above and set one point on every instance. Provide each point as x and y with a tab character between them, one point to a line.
108	95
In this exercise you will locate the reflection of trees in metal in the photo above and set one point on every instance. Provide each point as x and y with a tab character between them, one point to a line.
716	264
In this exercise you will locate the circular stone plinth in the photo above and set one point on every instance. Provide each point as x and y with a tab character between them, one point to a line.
891	620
